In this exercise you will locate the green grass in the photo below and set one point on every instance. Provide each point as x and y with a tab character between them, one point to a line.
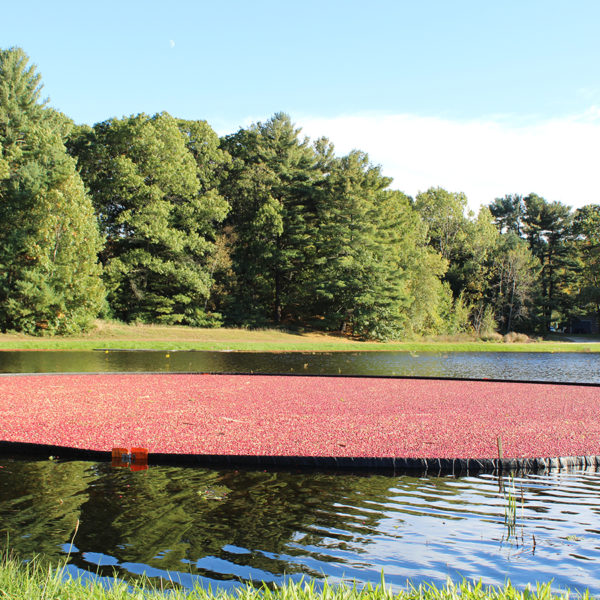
32	581
155	337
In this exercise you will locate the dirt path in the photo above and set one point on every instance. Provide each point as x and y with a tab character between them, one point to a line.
581	339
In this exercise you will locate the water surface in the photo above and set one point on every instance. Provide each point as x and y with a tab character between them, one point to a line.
531	366
226	527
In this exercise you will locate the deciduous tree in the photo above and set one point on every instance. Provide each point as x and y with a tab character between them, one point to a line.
155	194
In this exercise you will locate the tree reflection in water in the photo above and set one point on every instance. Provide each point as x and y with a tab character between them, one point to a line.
233	526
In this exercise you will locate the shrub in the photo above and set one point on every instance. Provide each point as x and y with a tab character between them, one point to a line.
490	336
512	337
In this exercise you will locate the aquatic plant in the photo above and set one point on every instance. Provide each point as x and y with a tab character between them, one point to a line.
510	509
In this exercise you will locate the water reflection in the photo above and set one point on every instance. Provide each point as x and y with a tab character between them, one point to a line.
576	367
225	526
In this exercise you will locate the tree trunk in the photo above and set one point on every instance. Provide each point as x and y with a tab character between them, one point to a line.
510	312
277	297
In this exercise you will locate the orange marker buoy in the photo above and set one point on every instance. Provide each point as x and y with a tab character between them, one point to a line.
118	452
139	455
136	459
118	455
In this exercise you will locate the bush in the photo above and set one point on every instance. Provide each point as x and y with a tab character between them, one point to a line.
490	336
512	337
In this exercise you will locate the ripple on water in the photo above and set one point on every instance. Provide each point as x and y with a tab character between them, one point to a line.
223	527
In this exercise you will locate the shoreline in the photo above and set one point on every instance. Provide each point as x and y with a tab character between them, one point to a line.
36	580
113	336
63	345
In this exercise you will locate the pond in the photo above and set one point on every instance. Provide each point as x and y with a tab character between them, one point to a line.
226	527
531	366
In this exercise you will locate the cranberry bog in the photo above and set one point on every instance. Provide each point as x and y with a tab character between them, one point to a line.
400	424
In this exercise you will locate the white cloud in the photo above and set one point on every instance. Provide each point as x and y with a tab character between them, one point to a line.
484	158
172	43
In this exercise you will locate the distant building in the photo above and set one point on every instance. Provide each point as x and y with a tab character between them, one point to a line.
584	324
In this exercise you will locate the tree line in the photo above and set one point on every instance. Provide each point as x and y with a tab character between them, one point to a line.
155	219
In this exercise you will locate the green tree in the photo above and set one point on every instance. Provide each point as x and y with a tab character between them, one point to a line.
473	267
448	231
49	240
212	164
363	237
269	186
318	239
154	189
515	281
548	230
444	214
432	310
468	243
508	213
586	227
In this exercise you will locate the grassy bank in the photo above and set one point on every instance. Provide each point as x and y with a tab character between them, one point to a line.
34	582
156	337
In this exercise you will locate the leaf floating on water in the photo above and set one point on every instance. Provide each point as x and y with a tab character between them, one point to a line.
215	492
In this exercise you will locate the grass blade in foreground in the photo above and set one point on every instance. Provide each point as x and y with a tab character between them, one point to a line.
33	581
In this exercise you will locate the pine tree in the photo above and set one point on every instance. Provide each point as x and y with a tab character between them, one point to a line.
270	190
49	240
548	229
364	239
587	230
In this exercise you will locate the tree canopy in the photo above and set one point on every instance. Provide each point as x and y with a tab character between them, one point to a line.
156	219
49	240
158	208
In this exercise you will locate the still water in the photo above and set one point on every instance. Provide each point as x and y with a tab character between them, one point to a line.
225	527
532	366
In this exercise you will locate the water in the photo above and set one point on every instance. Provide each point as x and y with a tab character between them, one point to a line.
225	527
533	366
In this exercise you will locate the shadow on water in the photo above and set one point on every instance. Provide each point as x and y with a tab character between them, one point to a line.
576	367
226	527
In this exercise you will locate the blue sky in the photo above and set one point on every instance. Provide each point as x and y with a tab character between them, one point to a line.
482	97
